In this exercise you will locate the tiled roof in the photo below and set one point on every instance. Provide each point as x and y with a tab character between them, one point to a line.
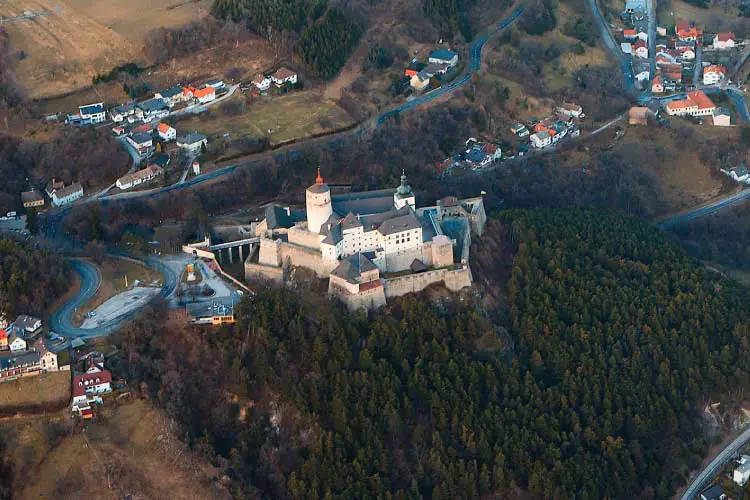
283	73
725	37
203	92
81	382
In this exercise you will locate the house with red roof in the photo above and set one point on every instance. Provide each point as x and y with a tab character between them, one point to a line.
640	49
166	133
629	34
657	85
204	95
696	103
687	31
725	40
89	385
713	74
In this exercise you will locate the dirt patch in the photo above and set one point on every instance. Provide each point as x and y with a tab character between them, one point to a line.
73	40
48	388
129	451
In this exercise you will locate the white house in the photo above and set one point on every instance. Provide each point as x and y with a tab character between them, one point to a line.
443	56
92	113
204	95
67	194
28	324
147	174
642	35
696	103
154	108
713	74
91	384
171	96
16	342
192	142
640	49
626	48
724	41
541	139
142	142
261	82
742	473
284	75
121	113
721	117
570	109
216	83
166	132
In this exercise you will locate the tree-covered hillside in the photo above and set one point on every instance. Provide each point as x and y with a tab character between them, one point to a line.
585	389
30	279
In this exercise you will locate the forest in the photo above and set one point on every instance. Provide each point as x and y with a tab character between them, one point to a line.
325	35
30	278
583	380
90	156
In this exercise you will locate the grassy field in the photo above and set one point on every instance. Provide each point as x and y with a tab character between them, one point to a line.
114	272
291	116
129	451
48	388
76	39
668	12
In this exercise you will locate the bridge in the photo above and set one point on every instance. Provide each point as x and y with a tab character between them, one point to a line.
221	248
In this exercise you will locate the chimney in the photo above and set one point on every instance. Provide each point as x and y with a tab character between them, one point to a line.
288	211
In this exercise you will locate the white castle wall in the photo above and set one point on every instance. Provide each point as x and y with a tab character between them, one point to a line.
454	281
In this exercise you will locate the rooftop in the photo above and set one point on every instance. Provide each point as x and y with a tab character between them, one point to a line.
141	138
443	54
191	138
154	104
68	190
351	268
399	224
91	109
283	73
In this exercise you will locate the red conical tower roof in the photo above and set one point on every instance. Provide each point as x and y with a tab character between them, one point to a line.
319	179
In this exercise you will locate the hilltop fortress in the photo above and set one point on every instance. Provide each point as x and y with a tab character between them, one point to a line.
370	245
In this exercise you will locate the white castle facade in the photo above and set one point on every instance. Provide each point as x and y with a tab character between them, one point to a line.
371	245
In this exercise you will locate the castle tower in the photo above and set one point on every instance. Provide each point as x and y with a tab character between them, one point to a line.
403	195
318	204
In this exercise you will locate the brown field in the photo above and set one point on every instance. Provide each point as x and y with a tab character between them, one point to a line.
291	116
113	282
129	451
43	389
77	39
670	11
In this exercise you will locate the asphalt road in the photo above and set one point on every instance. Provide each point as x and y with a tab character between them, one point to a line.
713	468
61	321
705	210
612	45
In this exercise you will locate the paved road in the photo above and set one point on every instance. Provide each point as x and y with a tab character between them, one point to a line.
697	70
713	468
613	46
705	210
61	320
651	6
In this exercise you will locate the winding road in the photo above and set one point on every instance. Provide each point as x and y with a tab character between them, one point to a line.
715	466
61	320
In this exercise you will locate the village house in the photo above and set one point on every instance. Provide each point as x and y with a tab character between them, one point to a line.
68	194
91	384
420	81
638	115
4	339
629	35
443	56
713	492
739	173
171	96
92	113
626	48
721	117
53	186
283	76
640	49
28	324
642	35
129	111
261	82
686	53
192	142
519	129
570	110
153	108
741	474
713	74
657	85
165	132
204	95
147	174
216	83
32	199
19	364
541	139
16	342
687	31
696	103
142	142
724	41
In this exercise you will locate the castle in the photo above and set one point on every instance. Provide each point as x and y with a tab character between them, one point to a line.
371	245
